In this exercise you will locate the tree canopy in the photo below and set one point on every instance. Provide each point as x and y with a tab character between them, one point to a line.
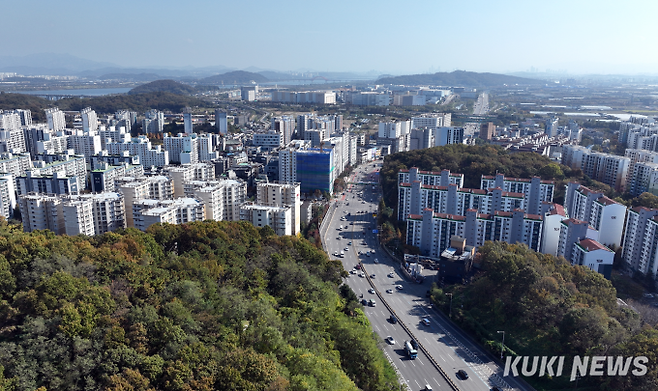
200	306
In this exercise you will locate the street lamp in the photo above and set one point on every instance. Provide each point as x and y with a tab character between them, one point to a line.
450	313
502	345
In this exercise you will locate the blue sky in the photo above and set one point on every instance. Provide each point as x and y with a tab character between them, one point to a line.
576	36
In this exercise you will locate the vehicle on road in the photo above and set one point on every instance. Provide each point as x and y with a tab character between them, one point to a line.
426	321
398	287
372	276
372	303
390	340
364	302
414	344
462	374
391	275
371	290
389	291
393	319
411	352
427	387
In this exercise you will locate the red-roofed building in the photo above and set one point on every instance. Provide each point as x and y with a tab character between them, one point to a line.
591	253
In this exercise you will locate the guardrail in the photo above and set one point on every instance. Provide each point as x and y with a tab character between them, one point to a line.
408	331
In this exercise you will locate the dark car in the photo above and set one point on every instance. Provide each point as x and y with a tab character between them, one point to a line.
462	374
393	320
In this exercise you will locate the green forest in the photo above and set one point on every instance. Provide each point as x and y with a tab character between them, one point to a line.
200	306
549	308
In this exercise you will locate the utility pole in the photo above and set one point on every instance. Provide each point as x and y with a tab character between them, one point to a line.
502	345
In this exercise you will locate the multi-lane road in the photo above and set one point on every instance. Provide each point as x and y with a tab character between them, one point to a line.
445	349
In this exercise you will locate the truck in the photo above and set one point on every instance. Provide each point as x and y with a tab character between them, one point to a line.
411	352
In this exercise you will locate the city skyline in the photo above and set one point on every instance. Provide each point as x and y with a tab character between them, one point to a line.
601	37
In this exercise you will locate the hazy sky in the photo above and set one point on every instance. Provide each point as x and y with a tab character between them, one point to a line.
413	36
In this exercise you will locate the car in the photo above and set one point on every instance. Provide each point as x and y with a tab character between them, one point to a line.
494	388
376	261
462	374
364	302
398	287
361	275
427	386
346	249
367	254
372	276
390	340
413	343
349	243
371	291
338	238
351	223
393	319
363	202
352	271
389	291
426	321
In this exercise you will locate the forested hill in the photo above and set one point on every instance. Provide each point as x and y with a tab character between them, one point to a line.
101	104
201	306
460	78
171	86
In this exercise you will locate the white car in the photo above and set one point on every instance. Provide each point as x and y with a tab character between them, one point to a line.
398	287
389	291
390	340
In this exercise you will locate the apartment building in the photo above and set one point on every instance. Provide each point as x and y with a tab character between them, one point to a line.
279	195
638	248
177	211
183	148
603	214
41	212
535	190
56	119
644	178
609	169
278	218
579	244
141	146
431	232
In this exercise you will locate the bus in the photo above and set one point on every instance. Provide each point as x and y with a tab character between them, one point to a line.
411	352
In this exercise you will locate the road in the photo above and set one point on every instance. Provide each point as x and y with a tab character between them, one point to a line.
448	346
481	107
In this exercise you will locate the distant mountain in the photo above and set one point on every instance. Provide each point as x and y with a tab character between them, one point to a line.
145	77
170	86
460	78
235	77
49	63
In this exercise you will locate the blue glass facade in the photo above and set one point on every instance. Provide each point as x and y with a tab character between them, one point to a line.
315	170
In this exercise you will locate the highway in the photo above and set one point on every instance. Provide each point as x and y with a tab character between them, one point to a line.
446	345
481	107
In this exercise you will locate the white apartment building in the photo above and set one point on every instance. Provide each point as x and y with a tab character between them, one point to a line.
609	169
7	195
285	126
135	189
603	214
638	251
17	165
141	146
270	140
93	214
393	130
644	178
206	147
447	135
153	122
177	211
56	119
435	178
41	211
552	214
274	194
183	148
89	119
535	190
52	144
85	143
431	232
278	218
432	121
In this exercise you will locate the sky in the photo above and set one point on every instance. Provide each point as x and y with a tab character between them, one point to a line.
383	36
